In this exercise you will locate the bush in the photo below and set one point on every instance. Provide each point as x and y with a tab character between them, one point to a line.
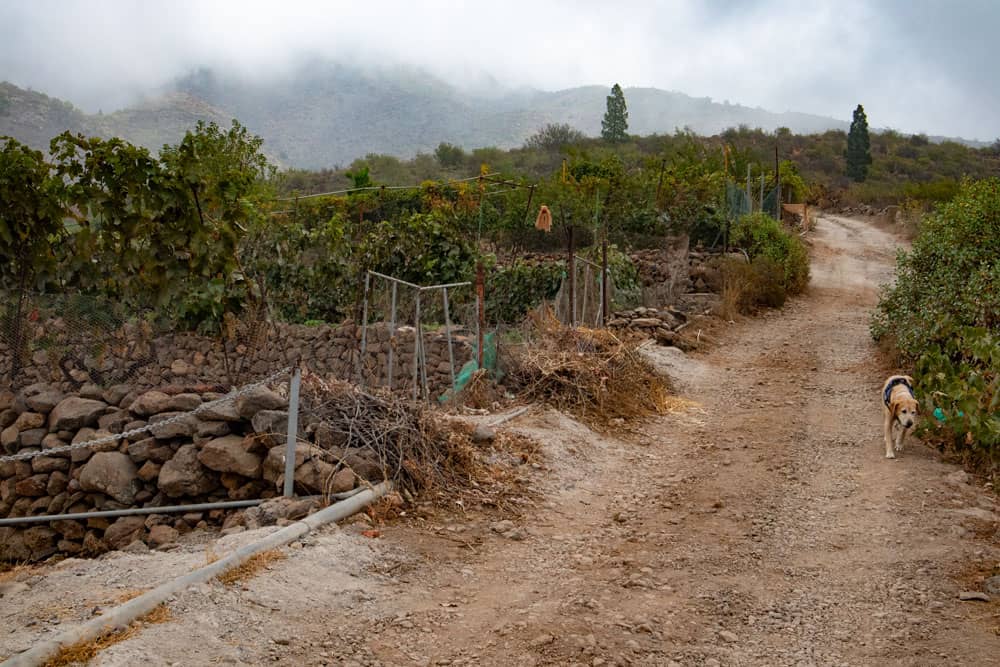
748	287
513	290
760	235
943	315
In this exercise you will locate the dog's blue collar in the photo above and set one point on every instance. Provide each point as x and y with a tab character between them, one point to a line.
889	387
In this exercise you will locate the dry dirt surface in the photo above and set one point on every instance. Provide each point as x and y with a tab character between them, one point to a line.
760	527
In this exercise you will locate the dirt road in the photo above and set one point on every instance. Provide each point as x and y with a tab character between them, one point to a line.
763	527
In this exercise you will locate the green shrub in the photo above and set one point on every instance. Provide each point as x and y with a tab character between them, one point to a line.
943	315
513	290
760	235
748	287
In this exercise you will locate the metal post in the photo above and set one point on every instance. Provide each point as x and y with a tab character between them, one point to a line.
777	182
480	311
392	331
571	260
423	359
293	431
762	192
605	292
416	348
364	333
749	196
586	283
447	331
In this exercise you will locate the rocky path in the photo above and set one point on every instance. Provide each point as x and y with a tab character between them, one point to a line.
762	527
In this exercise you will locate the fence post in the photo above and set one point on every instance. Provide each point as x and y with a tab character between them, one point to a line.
447	331
364	332
480	312
605	300
392	332
571	266
293	431
416	347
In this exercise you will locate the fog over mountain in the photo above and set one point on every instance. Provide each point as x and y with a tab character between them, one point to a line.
347	79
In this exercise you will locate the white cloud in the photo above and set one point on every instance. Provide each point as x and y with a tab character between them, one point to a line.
819	57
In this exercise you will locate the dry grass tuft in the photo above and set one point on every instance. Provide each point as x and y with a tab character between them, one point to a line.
251	567
15	571
83	652
591	373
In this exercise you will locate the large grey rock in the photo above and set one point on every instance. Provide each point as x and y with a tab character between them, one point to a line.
225	412
274	462
100	444
213	429
259	398
162	534
183	475
227	454
123	531
150	403
74	413
184	402
114	395
42	464
114	422
111	473
45	401
32	437
271	426
185	426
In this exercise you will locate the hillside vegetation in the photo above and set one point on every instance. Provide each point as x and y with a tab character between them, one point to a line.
943	316
905	168
326	114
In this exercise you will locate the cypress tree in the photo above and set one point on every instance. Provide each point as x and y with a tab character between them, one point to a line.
614	127
859	154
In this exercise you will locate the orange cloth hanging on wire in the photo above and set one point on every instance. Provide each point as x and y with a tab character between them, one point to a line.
544	221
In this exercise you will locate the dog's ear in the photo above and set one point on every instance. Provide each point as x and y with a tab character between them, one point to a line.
894	408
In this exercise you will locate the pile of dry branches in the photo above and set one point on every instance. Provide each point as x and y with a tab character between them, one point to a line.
591	373
419	449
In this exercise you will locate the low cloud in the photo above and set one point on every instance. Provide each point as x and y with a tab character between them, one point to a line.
916	66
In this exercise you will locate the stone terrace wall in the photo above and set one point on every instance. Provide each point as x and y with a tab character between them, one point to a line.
325	349
230	451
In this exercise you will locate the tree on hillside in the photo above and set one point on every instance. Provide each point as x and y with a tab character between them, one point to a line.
859	154
554	136
614	127
449	155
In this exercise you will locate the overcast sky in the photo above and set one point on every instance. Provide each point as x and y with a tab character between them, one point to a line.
917	66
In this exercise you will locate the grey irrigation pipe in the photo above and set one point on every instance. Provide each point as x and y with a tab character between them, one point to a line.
123	615
166	509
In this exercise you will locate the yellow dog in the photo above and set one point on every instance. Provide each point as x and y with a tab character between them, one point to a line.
899	408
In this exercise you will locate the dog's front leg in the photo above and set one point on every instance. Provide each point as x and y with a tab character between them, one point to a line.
887	429
901	437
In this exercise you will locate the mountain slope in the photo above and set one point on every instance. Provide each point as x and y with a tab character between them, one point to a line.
325	114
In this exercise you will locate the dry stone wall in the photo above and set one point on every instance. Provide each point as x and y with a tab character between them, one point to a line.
189	453
332	351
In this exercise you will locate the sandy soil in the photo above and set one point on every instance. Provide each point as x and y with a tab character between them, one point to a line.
761	527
